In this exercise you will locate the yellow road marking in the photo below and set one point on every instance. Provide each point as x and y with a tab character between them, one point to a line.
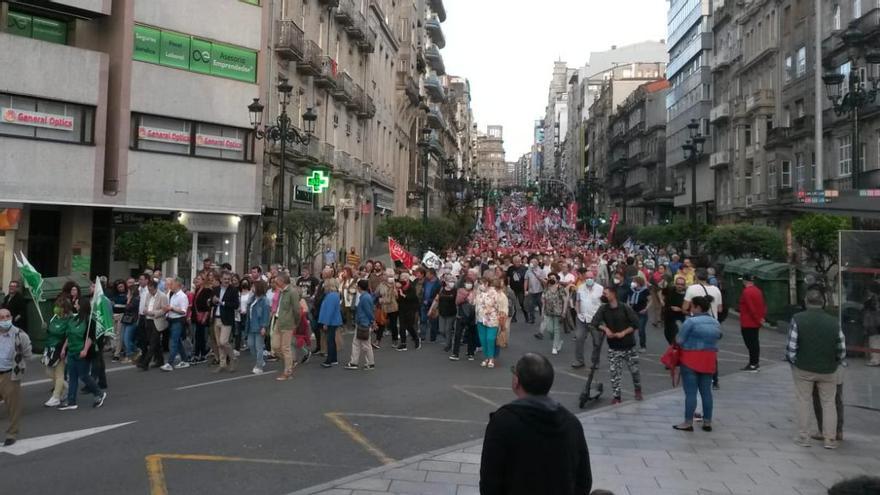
156	471
357	436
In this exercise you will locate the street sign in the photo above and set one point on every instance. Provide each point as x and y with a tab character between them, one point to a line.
301	194
413	195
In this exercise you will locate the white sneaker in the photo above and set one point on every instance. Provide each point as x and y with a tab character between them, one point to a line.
236	353
166	367
181	365
554	352
52	402
257	371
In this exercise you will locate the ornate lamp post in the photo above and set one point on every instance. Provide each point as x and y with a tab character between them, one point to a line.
693	152
425	146
857	95
283	132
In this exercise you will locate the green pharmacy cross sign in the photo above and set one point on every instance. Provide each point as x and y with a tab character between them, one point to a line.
318	182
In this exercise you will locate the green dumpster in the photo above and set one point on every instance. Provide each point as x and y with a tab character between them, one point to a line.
51	289
733	272
772	278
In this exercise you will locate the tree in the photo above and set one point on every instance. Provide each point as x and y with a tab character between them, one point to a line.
744	241
405	230
438	234
676	234
818	234
306	230
154	243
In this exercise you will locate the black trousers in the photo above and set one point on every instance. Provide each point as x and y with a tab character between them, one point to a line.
154	346
407	320
391	325
670	329
99	369
753	344
469	332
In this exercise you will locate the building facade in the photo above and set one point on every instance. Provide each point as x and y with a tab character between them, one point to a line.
491	164
119	112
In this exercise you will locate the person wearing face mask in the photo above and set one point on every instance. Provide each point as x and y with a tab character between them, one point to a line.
588	299
386	293
408	308
534	289
554	307
618	321
638	301
446	309
15	350
465	322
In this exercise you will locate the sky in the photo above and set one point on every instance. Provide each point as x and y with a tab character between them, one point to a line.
506	48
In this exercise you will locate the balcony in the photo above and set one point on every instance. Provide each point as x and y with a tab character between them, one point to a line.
435	31
367	44
719	113
721	60
719	159
778	136
408	84
289	41
367	109
635	130
752	150
869	23
763	98
326	77
329	3
739	108
435	118
435	89
312	60
345	13
358	27
438	8
354	103
343	163
435	60
327	157
343	91
803	126
307	154
756	199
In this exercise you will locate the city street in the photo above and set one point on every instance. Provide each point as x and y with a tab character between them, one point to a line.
194	432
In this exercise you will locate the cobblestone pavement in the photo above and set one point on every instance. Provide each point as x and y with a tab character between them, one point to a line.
635	451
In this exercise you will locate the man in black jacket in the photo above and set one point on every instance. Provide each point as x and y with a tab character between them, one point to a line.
226	303
534	445
15	303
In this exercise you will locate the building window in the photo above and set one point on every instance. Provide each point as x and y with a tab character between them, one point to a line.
771	181
799	108
856	8
835	17
844	156
786	174
789	68
799	171
26	117
184	137
801	61
36	27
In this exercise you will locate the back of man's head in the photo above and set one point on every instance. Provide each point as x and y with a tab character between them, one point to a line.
535	373
861	485
702	275
814	298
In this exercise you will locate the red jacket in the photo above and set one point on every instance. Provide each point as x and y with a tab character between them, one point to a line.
752	308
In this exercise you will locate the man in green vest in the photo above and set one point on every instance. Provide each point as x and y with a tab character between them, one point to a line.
816	348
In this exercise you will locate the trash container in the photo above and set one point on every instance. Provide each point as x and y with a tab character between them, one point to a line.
732	287
51	288
773	279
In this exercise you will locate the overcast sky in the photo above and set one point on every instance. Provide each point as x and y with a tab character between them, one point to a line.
507	49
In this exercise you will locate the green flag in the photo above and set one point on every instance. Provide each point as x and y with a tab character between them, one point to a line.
102	311
32	280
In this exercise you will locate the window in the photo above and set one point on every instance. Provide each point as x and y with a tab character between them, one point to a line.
771	180
786	174
835	17
844	156
26	117
36	27
799	170
856	8
799	108
184	137
748	134
789	68
801	61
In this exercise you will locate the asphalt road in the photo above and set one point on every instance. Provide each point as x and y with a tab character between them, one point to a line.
252	434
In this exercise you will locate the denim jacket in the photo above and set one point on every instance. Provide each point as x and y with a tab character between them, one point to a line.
258	315
699	333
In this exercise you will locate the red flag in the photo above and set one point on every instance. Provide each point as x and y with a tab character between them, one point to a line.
573	213
614	218
489	218
399	253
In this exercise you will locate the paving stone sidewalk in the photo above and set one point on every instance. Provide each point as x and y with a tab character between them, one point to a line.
635	451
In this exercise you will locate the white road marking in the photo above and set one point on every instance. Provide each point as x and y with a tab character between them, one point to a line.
49	380
479	397
205	384
28	445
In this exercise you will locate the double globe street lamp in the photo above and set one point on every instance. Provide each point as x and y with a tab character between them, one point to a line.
693	152
857	96
284	133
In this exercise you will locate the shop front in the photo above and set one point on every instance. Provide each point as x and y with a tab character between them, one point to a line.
213	236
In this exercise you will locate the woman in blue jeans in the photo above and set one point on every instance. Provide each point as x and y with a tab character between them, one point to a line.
130	323
257	321
330	317
698	339
638	301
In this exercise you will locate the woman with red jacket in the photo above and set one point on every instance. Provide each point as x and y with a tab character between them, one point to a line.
752	311
698	339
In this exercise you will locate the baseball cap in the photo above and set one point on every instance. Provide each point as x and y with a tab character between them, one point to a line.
748	277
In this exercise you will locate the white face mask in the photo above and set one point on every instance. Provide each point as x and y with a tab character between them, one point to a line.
468	286
450	285
617	281
634	286
391	279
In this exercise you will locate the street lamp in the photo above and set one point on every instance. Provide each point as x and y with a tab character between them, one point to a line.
425	146
857	95
693	152
283	132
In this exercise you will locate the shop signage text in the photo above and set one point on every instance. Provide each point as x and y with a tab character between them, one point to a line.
219	142
163	135
36	119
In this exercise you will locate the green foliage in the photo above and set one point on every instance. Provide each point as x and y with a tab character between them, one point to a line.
675	234
308	228
624	232
746	241
155	242
818	235
438	234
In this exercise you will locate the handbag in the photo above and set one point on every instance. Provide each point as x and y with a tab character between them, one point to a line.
671	359
381	317
362	333
129	318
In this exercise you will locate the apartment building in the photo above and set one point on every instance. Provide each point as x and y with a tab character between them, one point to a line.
490	163
555	120
118	112
689	41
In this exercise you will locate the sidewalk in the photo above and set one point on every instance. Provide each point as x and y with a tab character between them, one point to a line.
635	451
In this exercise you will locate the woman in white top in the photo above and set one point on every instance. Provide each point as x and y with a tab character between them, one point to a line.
348	291
241	316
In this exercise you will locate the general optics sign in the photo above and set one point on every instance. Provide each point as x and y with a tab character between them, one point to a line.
36	119
219	142
163	135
